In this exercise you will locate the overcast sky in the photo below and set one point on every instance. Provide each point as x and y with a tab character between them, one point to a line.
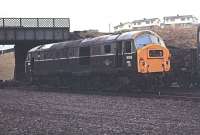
98	14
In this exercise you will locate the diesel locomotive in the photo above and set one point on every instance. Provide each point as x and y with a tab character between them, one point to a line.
137	57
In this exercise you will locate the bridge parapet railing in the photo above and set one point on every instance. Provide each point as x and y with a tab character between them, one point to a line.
35	22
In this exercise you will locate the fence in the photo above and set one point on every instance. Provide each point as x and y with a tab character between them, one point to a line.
35	22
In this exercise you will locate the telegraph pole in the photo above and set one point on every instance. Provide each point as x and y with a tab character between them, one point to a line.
109	28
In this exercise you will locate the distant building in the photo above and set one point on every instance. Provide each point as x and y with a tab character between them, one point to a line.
122	27
182	21
169	21
145	23
138	24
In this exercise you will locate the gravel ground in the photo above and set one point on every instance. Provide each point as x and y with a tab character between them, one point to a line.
57	113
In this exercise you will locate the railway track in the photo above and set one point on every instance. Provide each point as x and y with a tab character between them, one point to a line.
171	92
185	96
26	111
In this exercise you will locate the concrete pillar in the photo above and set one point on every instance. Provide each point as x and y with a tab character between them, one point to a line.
21	50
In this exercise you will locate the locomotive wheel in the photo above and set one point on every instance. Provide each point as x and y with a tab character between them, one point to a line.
195	80
184	82
196	84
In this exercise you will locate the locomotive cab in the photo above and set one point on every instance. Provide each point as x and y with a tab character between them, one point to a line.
152	55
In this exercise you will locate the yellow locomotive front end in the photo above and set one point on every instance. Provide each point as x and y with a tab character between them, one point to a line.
152	54
153	58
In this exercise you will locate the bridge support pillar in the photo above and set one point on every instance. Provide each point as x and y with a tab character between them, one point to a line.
21	50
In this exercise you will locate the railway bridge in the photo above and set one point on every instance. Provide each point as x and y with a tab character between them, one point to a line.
26	33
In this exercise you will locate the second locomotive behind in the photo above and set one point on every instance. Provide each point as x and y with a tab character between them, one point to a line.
138	56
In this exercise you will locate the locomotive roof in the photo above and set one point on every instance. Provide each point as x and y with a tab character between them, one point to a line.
133	34
92	41
99	40
59	45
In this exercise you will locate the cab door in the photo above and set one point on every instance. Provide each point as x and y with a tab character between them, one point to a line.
119	55
127	53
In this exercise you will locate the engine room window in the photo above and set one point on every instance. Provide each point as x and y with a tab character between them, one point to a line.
38	56
84	53
70	52
53	55
127	47
63	53
42	55
73	52
96	50
76	51
57	54
45	55
107	48
49	55
66	53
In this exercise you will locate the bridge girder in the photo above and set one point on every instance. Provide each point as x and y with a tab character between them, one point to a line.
27	33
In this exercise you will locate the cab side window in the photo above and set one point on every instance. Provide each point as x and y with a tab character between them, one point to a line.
107	49
127	47
133	49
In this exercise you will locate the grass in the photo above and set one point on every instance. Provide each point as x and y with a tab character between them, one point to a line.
7	66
